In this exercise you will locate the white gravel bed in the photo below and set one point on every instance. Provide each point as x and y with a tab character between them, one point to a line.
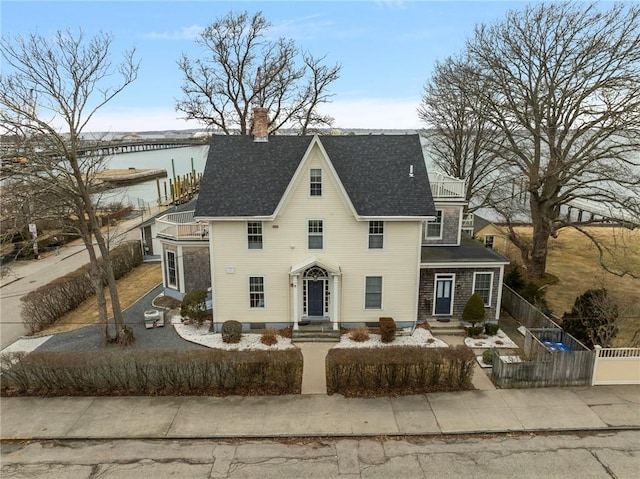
420	337
490	342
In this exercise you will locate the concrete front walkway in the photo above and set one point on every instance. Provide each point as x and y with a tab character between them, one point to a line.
314	376
544	409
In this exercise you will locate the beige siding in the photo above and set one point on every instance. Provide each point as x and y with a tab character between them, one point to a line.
345	246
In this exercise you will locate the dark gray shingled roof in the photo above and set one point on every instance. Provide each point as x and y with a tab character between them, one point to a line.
247	178
469	251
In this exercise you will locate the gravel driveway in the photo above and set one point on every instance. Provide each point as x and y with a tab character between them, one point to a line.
89	338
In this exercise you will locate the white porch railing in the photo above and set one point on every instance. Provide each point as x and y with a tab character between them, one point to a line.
181	226
443	186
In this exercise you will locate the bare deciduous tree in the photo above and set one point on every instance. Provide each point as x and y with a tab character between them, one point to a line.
460	141
66	78
561	84
242	69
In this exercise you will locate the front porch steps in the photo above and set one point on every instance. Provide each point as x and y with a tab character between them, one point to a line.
318	332
451	328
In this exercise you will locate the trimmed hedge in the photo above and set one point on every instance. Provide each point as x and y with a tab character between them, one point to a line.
211	372
397	370
43	306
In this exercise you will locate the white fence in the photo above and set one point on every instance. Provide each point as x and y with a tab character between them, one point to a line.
616	366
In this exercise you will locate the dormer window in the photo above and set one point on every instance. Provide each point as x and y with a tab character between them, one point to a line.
315	182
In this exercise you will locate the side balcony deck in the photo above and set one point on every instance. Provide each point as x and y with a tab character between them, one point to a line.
181	227
447	187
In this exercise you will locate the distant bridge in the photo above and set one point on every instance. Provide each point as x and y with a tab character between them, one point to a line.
114	147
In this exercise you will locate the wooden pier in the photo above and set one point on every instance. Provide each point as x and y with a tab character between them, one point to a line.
129	176
182	190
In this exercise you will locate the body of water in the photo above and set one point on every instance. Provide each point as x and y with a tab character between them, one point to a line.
147	191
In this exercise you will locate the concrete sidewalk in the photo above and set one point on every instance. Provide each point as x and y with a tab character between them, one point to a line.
544	409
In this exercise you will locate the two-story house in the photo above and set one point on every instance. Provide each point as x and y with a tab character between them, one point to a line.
289	230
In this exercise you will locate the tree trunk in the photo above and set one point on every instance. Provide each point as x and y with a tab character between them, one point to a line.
96	279
537	263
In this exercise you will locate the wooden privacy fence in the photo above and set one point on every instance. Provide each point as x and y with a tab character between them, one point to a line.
616	366
541	367
523	311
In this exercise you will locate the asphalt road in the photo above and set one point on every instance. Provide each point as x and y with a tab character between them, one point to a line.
584	455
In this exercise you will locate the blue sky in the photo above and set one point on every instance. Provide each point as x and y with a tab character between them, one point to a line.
386	48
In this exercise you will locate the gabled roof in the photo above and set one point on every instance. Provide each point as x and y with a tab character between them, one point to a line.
243	178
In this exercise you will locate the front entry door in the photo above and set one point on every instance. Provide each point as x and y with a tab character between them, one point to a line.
444	288
315	298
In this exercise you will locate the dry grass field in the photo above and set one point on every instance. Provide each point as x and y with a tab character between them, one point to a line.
574	259
130	288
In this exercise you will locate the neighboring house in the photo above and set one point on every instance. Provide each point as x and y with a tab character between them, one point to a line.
494	236
335	229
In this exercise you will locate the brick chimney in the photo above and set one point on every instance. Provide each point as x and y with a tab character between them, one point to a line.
260	127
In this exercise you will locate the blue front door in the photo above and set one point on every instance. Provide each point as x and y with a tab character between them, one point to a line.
315	298
444	288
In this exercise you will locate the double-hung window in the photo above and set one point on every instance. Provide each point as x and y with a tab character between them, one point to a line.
315	182
373	292
316	234
254	234
172	270
488	241
482	285
433	228
256	291
376	234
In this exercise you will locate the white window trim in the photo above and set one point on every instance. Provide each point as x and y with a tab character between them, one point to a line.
493	241
321	183
315	234
264	292
426	236
177	270
364	299
261	236
438	276
369	234
473	290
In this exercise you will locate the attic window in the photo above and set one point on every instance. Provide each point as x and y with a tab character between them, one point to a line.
315	182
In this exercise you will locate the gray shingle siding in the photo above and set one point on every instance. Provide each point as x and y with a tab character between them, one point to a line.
463	288
197	268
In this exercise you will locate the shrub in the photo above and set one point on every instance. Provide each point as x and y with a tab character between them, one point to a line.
394	370
473	311
43	306
491	329
359	335
487	356
387	330
474	331
117	372
231	331
269	337
514	278
593	318
194	306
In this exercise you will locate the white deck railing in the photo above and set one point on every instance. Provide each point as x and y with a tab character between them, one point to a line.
443	186
181	226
